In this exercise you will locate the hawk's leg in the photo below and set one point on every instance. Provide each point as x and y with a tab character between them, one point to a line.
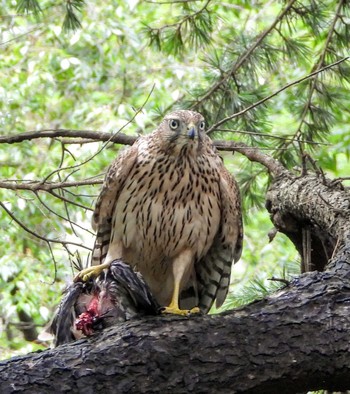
181	267
114	252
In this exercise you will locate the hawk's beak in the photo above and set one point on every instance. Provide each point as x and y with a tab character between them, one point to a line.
191	131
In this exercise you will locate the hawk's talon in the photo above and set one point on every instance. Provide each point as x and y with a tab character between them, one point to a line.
182	312
195	310
90	273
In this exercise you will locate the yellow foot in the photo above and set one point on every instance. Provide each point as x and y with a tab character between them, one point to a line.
90	272
182	312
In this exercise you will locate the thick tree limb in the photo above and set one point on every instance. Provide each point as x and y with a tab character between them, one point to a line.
314	205
293	341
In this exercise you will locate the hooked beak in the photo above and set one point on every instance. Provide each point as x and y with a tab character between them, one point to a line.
191	131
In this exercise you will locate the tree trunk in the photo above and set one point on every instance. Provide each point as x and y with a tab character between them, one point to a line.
292	341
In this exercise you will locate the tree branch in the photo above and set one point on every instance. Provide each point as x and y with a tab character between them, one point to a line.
35	186
179	24
34	234
224	120
253	154
312	83
245	55
313	212
118	138
21	35
280	344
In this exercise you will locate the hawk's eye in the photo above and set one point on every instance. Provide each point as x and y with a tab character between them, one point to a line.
202	125
174	124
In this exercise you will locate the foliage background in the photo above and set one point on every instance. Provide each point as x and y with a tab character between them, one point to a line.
128	64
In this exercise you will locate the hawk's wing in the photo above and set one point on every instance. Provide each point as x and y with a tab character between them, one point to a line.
214	270
113	185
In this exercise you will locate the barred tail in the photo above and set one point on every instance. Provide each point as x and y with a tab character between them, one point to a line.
213	275
101	245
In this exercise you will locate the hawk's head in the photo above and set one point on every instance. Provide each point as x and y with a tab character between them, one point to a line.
183	127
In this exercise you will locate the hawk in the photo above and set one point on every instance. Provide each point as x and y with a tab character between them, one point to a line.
170	208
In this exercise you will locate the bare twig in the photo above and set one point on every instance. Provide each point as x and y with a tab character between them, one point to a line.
171	1
62	191
35	186
282	280
265	135
253	154
60	216
46	239
21	35
54	264
52	192
104	144
119	138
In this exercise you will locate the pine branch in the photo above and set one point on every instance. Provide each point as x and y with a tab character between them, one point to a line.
243	58
27	6
184	20
193	28
298	135
71	20
262	101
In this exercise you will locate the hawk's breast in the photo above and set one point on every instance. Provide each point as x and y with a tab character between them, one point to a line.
167	204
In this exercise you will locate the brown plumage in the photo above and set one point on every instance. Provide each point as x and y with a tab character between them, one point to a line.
170	208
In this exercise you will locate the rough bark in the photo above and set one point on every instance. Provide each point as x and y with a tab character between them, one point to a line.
314	213
293	341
